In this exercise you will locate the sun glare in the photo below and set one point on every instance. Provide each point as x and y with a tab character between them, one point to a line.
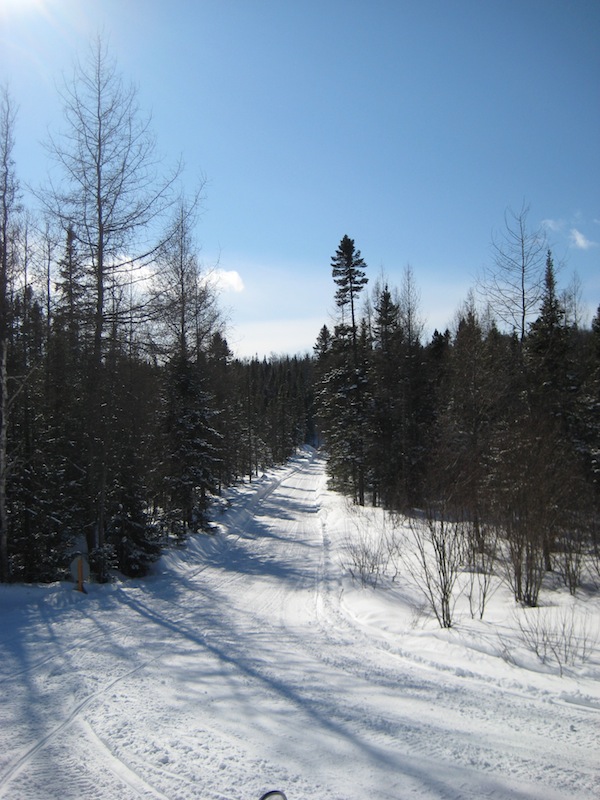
15	8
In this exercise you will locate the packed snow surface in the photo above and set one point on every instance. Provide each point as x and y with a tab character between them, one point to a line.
250	660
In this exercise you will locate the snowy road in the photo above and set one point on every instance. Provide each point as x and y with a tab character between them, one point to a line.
248	662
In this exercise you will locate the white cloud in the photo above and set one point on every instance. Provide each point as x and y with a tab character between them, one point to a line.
580	241
554	225
228	280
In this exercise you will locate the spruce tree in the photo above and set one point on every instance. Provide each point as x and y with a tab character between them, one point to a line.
343	387
547	346
189	437
385	452
348	274
226	421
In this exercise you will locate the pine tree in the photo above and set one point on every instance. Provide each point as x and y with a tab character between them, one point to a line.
71	307
385	450
591	424
343	387
136	541
547	346
471	402
190	472
323	344
226	422
348	274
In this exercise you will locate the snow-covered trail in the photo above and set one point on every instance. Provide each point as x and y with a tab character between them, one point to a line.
248	663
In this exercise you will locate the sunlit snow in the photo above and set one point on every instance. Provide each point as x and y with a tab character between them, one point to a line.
250	660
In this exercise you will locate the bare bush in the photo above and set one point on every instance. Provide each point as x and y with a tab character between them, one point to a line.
524	559
565	637
372	551
533	487
481	551
439	550
569	559
365	559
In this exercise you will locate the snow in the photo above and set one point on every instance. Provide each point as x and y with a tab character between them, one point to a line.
250	660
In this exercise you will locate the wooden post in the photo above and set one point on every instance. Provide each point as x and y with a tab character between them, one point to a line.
80	574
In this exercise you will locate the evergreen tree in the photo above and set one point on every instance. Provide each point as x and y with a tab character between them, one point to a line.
226	420
189	437
592	404
348	274
135	540
413	393
109	197
385	449
323	344
547	346
71	310
473	396
342	392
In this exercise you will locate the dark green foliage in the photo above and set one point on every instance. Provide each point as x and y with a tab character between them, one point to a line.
386	453
275	401
341	403
135	541
343	370
103	561
500	432
348	274
190	442
547	349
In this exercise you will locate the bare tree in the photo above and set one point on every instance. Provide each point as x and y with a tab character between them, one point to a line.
409	301
8	208
184	305
513	283
572	302
110	196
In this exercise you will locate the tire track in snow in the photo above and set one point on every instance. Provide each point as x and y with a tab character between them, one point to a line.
122	770
223	631
21	762
345	646
79	645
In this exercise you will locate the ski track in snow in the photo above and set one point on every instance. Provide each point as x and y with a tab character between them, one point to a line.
247	662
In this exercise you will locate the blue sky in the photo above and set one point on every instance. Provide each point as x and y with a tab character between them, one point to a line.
409	126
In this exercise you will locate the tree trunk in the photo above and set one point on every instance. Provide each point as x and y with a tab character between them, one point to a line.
4	566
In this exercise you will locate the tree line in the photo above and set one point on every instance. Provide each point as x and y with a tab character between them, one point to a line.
491	430
122	409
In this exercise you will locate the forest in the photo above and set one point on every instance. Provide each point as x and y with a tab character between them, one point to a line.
123	411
